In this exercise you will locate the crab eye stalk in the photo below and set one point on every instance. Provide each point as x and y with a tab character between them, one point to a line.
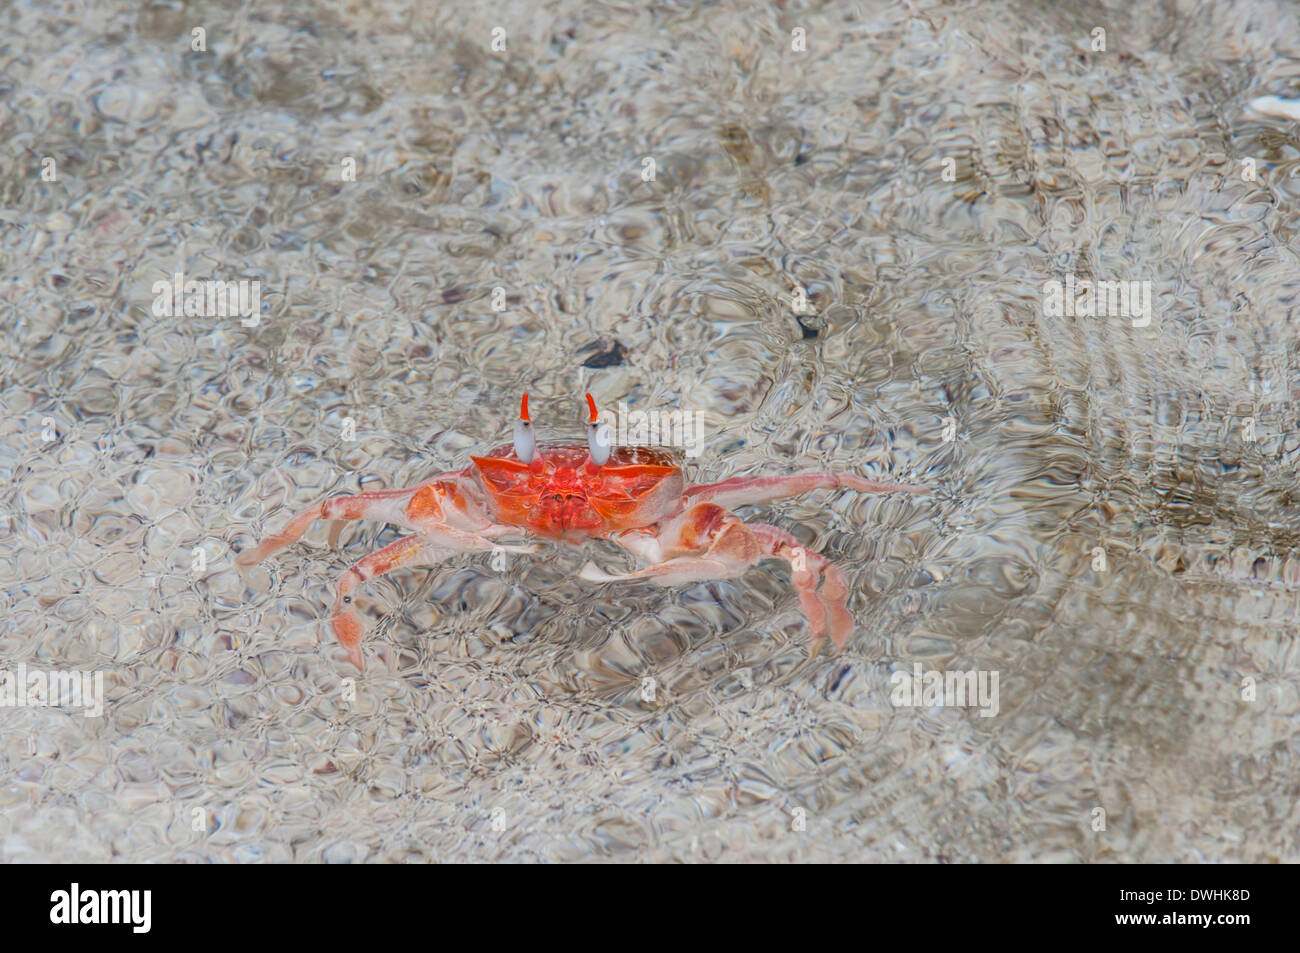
525	441
597	436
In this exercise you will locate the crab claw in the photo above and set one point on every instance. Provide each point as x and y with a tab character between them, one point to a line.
593	573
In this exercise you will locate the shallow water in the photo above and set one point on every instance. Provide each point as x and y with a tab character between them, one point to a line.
1155	687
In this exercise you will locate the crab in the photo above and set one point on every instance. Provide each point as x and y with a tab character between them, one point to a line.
634	496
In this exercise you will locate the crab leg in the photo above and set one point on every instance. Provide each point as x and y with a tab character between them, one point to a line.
740	491
709	542
409	552
388	506
446	520
825	608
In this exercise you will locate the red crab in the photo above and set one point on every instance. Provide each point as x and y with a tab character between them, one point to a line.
635	496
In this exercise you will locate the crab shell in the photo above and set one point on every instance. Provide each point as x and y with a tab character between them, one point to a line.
562	495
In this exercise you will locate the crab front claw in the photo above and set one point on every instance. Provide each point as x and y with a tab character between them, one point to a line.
707	541
672	572
593	573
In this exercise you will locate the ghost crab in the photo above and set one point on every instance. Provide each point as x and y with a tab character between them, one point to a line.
636	497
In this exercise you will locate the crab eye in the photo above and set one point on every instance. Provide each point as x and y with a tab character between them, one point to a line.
525	441
597	437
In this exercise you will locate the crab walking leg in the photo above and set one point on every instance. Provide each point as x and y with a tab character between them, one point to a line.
709	542
741	491
388	506
427	549
826	608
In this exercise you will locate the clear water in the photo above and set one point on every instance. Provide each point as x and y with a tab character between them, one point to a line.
501	716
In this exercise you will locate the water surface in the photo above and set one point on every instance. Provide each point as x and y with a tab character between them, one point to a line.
502	715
